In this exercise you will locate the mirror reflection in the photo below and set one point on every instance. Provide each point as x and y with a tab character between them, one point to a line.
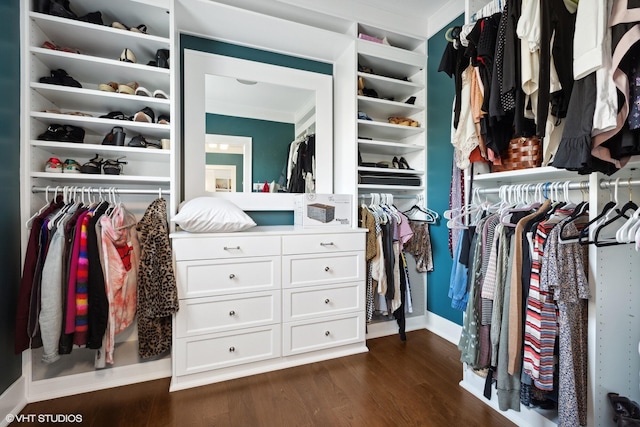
258	133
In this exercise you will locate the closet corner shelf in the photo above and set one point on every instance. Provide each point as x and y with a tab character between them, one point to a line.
397	58
69	178
541	174
397	41
69	149
88	37
391	171
390	188
94	100
381	130
376	107
388	148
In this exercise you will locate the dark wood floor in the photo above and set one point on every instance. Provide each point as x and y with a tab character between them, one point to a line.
412	383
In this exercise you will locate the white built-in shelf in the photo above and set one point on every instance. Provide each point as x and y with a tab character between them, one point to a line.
97	101
388	148
387	87
400	41
386	131
69	149
100	127
90	38
69	178
90	71
533	175
390	188
382	109
389	61
391	171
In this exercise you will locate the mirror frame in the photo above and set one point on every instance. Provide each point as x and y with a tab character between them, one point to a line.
196	65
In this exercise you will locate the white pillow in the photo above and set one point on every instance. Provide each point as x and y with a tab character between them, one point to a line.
212	215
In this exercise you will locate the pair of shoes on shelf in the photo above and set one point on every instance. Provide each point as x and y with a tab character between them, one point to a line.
139	29
403	121
127	56
400	163
116	115
161	60
363	91
97	165
146	115
61	78
53	46
126	88
158	93
62	133
140	141
364	116
115	137
62	8
54	165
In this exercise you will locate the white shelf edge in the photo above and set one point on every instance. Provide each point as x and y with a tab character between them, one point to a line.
45	87
541	173
417	86
414	130
102	178
391	170
98	147
417	108
99	121
408	188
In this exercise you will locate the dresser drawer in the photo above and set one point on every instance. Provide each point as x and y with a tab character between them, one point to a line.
311	269
205	278
305	336
199	316
209	352
317	301
197	248
322	243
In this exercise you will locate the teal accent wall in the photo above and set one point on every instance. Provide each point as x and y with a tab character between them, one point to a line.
440	95
236	51
10	226
270	144
231	160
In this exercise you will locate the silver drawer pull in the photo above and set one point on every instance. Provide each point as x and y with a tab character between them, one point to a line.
327	301
327	244
232	276
327	269
327	333
232	313
229	248
232	349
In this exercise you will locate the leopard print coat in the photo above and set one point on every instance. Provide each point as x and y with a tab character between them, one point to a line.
157	291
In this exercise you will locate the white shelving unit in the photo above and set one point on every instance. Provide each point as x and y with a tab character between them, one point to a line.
97	62
396	73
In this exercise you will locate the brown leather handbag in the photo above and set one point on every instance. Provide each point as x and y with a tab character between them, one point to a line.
522	153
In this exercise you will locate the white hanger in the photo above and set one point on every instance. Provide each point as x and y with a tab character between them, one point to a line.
46	196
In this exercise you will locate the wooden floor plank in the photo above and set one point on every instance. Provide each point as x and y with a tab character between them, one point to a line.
412	383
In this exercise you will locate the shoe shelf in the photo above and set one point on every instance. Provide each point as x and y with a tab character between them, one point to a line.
389	61
70	178
386	131
94	40
90	71
98	102
381	109
387	87
392	171
99	127
386	148
66	150
396	189
395	40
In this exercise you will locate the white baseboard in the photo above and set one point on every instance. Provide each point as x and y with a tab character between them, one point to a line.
12	401
446	329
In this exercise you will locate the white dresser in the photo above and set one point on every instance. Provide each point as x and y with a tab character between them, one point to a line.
264	299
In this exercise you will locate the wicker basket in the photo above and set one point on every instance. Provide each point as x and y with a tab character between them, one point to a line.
522	153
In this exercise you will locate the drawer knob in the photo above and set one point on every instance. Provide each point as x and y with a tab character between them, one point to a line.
326	244
232	313
232	349
327	301
327	269
327	333
232	276
230	248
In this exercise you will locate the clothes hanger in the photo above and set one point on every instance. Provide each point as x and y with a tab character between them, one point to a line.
608	209
620	214
578	214
45	206
623	231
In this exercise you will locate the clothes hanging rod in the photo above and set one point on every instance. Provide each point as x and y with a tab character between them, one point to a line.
98	190
573	185
395	196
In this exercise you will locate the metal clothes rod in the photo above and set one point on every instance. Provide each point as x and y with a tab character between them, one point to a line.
106	190
580	185
395	196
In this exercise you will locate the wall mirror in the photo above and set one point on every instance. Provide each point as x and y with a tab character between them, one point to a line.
245	100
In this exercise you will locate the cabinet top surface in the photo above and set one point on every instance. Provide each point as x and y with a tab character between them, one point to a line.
270	230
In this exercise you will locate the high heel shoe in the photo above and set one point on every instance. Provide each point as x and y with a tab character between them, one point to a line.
403	163
623	407
395	163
